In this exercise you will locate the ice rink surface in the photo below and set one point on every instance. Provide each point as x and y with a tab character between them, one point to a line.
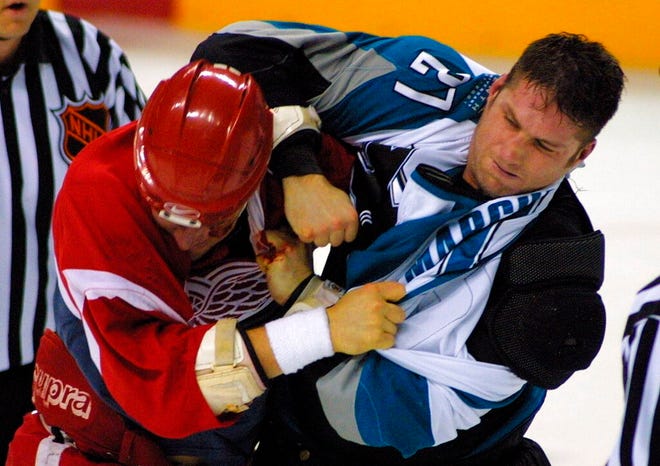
620	187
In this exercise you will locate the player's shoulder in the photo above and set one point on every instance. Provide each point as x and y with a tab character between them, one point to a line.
60	20
68	28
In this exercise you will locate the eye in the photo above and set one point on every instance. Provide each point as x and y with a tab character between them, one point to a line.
511	121
542	146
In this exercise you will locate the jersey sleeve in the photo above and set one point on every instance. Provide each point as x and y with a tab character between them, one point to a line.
107	70
129	97
365	88
125	96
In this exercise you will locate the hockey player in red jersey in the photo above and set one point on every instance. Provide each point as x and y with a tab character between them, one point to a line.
156	211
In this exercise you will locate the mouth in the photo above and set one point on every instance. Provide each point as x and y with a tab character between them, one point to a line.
504	171
16	6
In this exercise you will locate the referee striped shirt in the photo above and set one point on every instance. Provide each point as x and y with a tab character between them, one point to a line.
69	84
639	441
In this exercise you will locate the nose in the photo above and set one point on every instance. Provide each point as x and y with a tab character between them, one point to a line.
513	150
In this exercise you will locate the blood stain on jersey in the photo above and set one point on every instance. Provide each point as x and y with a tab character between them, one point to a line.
80	123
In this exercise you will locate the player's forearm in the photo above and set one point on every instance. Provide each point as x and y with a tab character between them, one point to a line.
261	345
296	155
233	367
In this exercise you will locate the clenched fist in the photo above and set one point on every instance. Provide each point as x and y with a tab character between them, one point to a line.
318	212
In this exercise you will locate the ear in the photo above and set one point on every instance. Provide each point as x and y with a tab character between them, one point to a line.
582	154
586	150
497	86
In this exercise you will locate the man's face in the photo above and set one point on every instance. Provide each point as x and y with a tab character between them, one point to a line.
521	144
198	241
16	17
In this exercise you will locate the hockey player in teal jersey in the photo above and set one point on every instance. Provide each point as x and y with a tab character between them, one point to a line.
459	182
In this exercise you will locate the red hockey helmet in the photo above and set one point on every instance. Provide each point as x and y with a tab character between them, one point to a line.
202	144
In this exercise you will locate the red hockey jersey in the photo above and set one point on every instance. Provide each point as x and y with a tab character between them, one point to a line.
124	277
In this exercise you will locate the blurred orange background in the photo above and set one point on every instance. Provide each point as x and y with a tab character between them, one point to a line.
629	29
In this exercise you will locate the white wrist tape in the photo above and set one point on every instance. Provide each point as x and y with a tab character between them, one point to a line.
226	385
289	119
317	293
300	339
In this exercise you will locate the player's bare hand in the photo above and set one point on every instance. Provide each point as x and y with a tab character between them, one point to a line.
318	212
286	264
366	318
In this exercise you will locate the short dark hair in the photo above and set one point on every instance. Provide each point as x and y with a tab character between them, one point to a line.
579	75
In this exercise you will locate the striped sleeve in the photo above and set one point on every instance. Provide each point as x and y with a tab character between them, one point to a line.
365	87
640	427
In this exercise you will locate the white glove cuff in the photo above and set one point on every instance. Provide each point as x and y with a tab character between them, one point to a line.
290	119
300	339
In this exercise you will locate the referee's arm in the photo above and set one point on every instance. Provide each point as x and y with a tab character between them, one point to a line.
639	439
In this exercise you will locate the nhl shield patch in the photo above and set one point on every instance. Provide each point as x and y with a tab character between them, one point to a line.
80	123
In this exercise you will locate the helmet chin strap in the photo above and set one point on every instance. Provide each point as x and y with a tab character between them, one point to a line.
180	219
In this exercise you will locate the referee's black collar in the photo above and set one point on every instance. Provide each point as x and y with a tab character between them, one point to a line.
10	68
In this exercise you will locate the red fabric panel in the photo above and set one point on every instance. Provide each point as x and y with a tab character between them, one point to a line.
147	8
